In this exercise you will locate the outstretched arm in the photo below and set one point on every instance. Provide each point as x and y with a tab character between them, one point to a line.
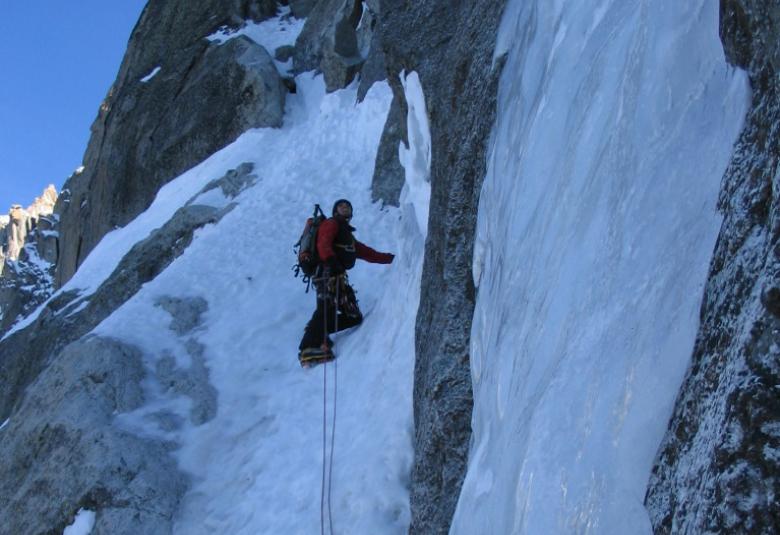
370	255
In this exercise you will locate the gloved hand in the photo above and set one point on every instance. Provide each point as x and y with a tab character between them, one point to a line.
388	258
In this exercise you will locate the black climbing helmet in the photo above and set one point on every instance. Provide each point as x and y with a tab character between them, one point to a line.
341	201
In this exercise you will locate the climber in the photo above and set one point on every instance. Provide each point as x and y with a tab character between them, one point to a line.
337	249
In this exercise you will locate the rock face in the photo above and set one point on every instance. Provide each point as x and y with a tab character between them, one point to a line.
68	456
302	8
28	251
718	469
24	284
16	229
4	221
61	394
389	174
19	225
170	107
451	47
329	42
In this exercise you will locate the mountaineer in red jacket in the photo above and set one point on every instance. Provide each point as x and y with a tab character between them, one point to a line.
337	249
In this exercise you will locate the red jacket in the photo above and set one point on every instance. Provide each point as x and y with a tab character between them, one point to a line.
326	237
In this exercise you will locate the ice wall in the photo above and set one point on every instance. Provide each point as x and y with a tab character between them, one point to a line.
597	221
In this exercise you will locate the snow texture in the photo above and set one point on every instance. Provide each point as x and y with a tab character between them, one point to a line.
82	525
256	461
596	226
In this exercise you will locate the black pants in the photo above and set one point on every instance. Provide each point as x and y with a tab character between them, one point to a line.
349	314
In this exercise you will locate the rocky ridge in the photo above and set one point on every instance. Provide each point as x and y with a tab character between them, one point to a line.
28	254
19	225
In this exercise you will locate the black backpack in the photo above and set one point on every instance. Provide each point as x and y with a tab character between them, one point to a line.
306	248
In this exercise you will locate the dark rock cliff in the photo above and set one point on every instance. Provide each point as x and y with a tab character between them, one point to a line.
450	44
153	125
718	470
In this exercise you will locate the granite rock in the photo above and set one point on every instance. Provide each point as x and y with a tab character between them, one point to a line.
169	108
389	174
450	45
301	8
29	245
328	42
62	450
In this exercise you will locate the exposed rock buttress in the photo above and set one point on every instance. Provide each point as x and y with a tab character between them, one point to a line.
451	47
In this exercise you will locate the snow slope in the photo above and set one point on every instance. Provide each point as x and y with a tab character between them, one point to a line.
257	464
597	221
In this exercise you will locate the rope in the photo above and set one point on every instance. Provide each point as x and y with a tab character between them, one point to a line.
335	394
327	462
324	416
324	447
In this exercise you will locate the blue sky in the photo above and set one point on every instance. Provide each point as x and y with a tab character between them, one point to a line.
57	61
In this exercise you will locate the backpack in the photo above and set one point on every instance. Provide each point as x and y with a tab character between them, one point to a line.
306	248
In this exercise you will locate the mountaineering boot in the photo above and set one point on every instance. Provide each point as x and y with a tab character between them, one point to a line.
311	356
